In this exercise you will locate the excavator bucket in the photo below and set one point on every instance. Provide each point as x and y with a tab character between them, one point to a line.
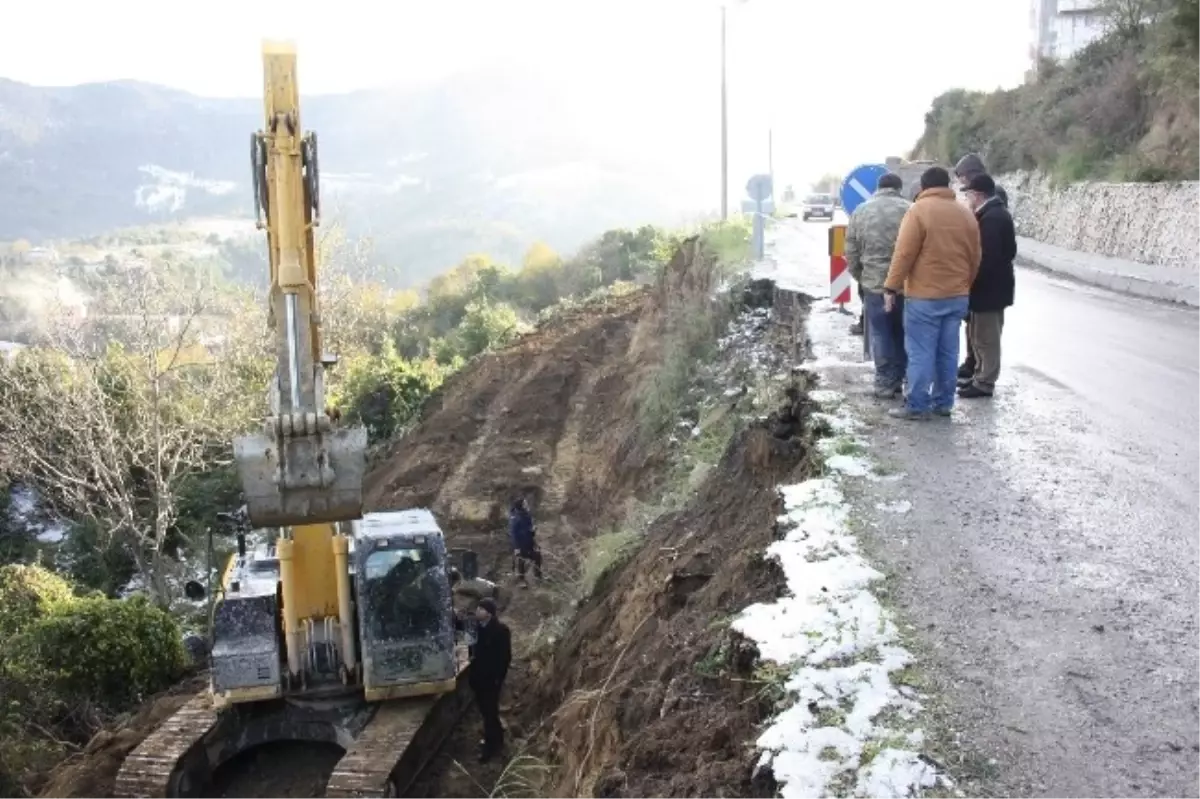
299	497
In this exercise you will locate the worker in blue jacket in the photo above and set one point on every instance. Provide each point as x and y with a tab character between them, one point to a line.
521	533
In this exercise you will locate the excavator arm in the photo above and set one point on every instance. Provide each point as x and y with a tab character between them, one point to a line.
303	468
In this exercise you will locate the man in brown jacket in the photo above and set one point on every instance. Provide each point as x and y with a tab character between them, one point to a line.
934	264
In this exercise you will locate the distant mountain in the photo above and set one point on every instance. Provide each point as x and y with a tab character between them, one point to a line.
481	161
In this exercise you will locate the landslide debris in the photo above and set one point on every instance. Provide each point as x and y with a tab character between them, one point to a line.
627	680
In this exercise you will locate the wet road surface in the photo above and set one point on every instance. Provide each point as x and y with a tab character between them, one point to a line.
1048	562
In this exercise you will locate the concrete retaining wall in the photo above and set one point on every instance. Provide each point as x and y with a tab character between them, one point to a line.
1153	223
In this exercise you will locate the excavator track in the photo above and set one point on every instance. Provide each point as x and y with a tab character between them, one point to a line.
150	769
397	745
388	744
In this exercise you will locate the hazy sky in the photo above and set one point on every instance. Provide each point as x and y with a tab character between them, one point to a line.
839	82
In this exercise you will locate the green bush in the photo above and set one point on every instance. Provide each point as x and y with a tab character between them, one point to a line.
112	653
27	593
384	394
486	325
64	657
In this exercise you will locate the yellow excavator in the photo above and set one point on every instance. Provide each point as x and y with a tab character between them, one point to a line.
333	626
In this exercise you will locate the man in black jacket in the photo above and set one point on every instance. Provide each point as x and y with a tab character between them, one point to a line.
965	171
993	288
489	666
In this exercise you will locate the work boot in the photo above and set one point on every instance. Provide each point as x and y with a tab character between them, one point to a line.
966	371
856	329
973	391
909	415
887	392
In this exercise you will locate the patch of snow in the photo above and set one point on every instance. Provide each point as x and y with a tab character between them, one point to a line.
900	506
850	730
895	773
167	191
52	534
849	465
825	363
825	396
843	645
840	422
27	509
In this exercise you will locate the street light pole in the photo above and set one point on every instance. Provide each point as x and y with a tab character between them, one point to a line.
724	128
771	160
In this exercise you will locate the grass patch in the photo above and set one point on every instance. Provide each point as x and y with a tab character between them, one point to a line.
729	241
831	716
604	553
690	343
548	633
846	445
712	665
523	776
829	753
692	330
720	623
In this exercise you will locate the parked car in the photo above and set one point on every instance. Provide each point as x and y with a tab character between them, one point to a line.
817	206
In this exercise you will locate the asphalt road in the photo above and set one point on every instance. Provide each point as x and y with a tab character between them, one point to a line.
1048	562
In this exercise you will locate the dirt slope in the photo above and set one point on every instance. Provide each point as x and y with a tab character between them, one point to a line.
647	693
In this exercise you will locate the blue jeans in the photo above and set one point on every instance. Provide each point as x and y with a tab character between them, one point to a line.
931	330
887	341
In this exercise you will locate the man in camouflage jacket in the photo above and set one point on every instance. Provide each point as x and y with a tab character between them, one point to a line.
870	239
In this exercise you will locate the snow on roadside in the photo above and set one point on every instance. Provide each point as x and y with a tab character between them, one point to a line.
851	729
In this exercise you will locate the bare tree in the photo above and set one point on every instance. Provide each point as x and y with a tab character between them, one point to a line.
357	308
125	406
1129	18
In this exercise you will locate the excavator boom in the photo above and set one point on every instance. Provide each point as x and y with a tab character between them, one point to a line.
303	468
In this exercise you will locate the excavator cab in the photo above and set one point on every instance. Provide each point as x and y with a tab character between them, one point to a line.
402	576
400	625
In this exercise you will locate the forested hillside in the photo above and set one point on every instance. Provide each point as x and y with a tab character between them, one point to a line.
485	161
1124	109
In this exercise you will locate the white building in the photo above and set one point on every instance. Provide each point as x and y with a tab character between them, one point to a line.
1061	28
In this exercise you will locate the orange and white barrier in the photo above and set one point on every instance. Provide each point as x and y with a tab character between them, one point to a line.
839	274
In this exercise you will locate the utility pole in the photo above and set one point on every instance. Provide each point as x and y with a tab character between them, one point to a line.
724	128
771	161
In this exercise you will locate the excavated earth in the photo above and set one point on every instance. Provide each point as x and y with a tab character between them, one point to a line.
639	689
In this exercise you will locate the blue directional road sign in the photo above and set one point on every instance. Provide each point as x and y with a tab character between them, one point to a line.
759	187
860	185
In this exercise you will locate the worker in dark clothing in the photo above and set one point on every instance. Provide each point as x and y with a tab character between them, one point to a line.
489	667
967	168
521	532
